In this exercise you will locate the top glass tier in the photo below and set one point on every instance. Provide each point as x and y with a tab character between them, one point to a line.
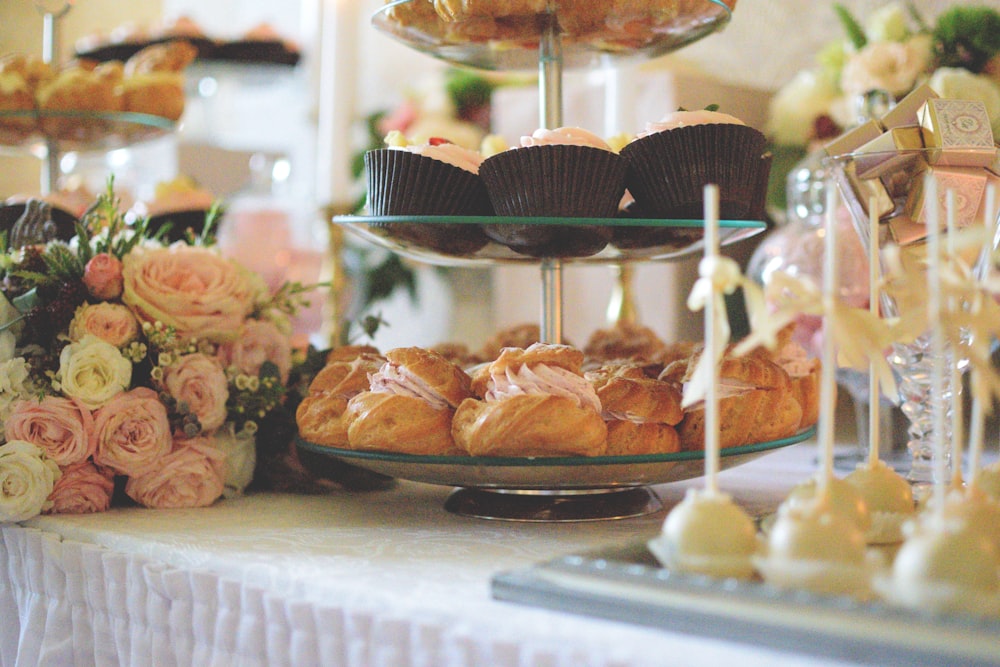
590	30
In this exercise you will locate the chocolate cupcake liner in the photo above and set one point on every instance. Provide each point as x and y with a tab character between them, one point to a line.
667	171
556	181
553	181
405	183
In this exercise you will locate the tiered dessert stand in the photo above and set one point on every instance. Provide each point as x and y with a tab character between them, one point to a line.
48	135
551	488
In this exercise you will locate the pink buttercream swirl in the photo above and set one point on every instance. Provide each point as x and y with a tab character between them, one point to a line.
565	136
678	119
398	380
543	379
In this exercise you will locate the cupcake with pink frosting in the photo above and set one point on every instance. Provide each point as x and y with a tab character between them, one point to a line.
670	163
568	172
437	178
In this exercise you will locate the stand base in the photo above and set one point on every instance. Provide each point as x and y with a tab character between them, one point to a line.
546	506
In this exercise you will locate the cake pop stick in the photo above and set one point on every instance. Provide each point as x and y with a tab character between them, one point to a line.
955	380
828	387
712	343
874	387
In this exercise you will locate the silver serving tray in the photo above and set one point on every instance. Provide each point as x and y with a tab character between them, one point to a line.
626	584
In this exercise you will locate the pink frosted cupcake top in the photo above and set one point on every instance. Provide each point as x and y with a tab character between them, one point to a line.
678	119
565	136
438	149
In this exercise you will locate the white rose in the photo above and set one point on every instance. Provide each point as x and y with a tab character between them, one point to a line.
887	24
890	66
27	477
93	371
961	84
15	385
241	459
796	106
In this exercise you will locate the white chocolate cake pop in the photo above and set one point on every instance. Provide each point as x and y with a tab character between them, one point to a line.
889	498
944	566
814	548
843	498
971	509
707	533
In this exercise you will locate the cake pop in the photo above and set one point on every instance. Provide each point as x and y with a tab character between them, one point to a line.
707	533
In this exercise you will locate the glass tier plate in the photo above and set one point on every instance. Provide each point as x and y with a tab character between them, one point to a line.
562	473
63	131
511	43
458	240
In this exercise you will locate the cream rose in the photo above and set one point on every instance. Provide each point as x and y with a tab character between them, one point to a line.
259	341
191	288
796	106
93	371
200	381
961	84
62	427
190	476
241	459
890	66
27	477
83	489
111	322
132	432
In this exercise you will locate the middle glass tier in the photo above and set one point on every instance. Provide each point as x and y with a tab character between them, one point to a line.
473	240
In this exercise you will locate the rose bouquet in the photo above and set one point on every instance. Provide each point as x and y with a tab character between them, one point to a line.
134	369
891	52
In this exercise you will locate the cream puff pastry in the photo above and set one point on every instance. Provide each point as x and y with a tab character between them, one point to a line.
534	402
409	405
319	415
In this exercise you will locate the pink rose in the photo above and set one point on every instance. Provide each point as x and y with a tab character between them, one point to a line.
83	489
132	431
259	341
199	381
190	476
111	322
103	276
61	427
191	288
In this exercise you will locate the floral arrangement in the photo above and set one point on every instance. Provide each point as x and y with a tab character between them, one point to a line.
893	50
133	369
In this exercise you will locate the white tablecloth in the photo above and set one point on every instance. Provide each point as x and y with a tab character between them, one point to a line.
386	578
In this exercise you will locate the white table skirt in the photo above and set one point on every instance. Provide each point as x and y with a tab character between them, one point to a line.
386	578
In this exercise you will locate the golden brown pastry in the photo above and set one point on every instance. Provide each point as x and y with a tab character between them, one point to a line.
409	405
625	340
629	438
349	352
320	414
155	93
535	402
460	10
173	56
641	413
458	354
32	69
756	402
15	95
519	335
79	89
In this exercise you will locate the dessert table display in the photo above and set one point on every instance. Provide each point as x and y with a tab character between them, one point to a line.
381	578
